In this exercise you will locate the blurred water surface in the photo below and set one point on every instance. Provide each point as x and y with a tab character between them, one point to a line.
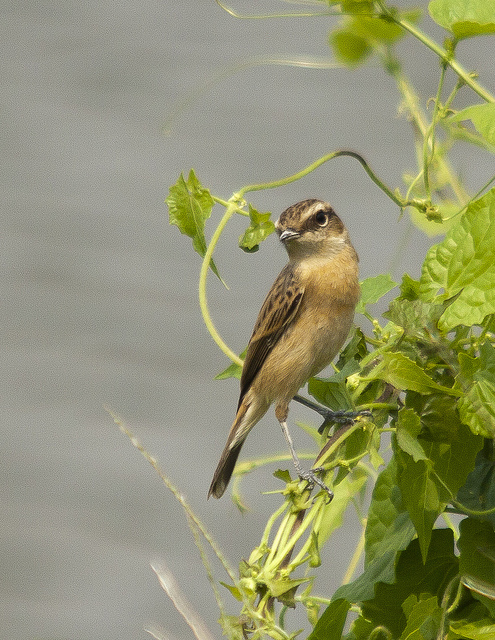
99	295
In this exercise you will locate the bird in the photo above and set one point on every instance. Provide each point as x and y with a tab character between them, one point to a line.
303	323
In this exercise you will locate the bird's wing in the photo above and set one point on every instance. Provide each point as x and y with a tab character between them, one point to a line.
278	311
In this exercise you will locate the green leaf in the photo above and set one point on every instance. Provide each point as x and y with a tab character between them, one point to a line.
372	289
464	18
233	590
380	29
282	474
477	560
476	625
389	530
418	318
332	393
349	48
413	576
344	493
409	288
478	492
403	373
260	228
331	623
420	495
427	485
283	588
477	381
423	618
355	40
234	370
408	430
189	205
438	416
463	265
483	118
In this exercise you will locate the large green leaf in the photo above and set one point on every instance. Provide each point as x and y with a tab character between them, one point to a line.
414	576
464	18
389	530
430	482
423	617
401	372
189	206
477	381
372	289
463	265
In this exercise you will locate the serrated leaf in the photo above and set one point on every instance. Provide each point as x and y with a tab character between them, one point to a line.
423	618
372	289
464	18
463	265
331	393
409	288
389	530
408	430
403	373
189	205
331	623
260	228
483	118
477	381
418	318
429	484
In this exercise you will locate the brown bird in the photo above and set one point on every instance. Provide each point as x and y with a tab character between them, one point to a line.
304	321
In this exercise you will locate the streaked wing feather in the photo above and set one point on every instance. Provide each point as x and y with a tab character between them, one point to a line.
277	312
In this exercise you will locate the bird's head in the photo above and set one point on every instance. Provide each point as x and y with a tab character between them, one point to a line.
311	228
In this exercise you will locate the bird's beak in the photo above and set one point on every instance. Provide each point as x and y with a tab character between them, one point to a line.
288	234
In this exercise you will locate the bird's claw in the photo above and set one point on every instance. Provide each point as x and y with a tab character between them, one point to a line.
342	417
311	478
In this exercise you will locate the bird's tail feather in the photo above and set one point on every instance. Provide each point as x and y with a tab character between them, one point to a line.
247	416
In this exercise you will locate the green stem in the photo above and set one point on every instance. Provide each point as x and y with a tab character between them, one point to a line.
231	209
419	118
443	54
358	552
429	139
335	154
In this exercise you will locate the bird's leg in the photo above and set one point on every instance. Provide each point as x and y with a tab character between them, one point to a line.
341	417
310	475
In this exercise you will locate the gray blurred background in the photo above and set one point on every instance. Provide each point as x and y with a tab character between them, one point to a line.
99	294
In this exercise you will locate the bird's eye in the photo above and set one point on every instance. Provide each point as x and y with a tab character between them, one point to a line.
321	218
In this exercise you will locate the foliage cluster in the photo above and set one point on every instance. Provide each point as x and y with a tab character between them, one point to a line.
426	371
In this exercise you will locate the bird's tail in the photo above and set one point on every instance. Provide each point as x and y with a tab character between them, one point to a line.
247	416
